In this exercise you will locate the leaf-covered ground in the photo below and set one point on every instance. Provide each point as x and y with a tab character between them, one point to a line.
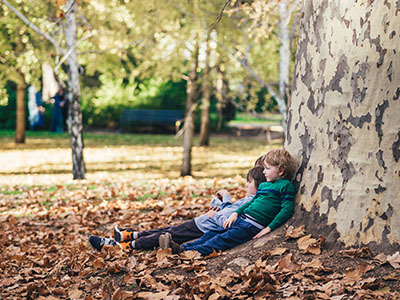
45	253
46	218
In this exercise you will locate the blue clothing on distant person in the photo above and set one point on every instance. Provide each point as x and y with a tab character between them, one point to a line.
35	108
57	123
39	103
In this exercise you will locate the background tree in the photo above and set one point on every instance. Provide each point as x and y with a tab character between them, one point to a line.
267	28
20	53
191	104
75	126
344	122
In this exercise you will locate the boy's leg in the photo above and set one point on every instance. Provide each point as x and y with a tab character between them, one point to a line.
239	233
206	236
181	233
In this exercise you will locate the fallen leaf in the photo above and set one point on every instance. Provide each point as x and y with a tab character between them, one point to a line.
294	233
289	263
163	253
394	260
277	251
305	241
74	293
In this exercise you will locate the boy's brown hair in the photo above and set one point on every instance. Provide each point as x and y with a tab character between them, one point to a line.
259	161
282	159
257	175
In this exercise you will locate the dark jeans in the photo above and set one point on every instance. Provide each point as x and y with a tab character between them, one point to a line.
239	233
181	233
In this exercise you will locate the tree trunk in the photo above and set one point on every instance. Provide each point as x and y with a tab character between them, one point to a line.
20	128
219	94
188	132
205	101
74	96
284	63
343	122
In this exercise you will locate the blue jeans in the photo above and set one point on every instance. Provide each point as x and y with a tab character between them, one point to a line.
239	233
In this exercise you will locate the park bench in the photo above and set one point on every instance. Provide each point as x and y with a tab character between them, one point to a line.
149	120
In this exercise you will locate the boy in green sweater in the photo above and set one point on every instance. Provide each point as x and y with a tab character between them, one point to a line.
271	207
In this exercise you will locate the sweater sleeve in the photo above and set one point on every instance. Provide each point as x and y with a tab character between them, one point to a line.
241	209
287	206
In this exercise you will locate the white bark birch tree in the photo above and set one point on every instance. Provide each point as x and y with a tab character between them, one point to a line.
343	122
75	127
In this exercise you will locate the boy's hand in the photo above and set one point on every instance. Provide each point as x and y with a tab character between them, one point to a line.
265	231
222	193
211	213
228	222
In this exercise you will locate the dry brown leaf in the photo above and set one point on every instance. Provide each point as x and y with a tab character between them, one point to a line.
163	253
316	263
213	254
305	241
277	251
214	296
294	233
74	293
394	260
289	263
351	277
363	253
365	267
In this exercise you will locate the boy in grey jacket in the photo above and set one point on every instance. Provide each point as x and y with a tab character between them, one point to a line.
213	220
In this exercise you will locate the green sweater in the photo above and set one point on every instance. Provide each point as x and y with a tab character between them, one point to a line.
272	205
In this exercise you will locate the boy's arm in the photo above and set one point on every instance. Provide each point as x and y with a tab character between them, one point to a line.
222	196
287	206
241	209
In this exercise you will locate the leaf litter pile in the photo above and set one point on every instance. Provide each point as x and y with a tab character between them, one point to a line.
45	253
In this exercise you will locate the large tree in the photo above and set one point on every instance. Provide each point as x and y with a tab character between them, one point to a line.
343	122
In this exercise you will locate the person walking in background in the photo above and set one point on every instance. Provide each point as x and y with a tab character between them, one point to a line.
58	104
36	109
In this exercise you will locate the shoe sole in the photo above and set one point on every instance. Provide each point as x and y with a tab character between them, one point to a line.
163	240
118	235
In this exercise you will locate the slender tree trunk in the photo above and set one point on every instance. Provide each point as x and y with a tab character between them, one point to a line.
343	122
21	111
219	94
284	64
74	122
205	101
188	132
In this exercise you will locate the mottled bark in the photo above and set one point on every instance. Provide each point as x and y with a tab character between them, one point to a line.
343	121
188	131
21	111
74	96
205	100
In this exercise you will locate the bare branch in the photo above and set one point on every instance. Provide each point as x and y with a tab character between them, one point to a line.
219	16
33	26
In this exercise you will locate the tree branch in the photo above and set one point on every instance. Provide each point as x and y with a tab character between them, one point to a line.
33	26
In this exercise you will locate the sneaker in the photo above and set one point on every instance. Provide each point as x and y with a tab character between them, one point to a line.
97	242
165	241
122	235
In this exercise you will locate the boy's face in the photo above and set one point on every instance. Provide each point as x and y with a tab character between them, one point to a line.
251	187
272	173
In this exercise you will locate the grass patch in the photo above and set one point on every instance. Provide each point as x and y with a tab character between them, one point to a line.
46	203
145	197
271	119
10	193
51	189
